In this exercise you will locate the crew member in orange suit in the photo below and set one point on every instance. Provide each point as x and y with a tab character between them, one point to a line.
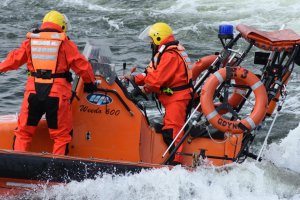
49	55
169	76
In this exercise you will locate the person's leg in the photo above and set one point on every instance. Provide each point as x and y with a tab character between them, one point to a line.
168	138
29	117
174	119
59	119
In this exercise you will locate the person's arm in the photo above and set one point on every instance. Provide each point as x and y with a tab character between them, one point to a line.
163	74
78	63
15	59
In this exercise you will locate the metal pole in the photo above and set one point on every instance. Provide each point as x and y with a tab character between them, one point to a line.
266	139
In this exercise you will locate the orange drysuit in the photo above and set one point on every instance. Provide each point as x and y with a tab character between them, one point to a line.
47	50
172	72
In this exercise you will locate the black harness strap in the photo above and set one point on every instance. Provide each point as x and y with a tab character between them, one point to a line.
182	87
46	74
178	88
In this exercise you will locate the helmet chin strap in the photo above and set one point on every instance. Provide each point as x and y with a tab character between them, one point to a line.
154	51
154	48
67	22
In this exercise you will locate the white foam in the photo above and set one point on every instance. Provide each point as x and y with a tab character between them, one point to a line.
90	6
286	153
247	181
268	13
115	25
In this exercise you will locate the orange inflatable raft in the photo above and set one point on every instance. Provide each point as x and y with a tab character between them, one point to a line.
111	134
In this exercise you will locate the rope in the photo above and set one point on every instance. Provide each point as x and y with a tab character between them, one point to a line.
215	141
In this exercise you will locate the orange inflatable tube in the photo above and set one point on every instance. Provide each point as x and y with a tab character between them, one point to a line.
245	77
201	65
273	102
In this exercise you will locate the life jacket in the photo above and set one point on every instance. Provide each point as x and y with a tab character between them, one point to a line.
173	46
44	54
45	46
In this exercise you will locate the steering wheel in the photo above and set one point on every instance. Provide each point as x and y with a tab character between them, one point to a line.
137	90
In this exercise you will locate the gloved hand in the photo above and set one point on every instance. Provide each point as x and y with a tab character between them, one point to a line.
90	87
128	77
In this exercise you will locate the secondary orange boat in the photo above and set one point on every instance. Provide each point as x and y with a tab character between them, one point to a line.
112	133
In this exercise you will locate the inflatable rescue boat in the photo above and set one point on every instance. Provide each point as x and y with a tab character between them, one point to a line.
113	134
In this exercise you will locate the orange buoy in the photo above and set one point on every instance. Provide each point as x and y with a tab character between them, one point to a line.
245	77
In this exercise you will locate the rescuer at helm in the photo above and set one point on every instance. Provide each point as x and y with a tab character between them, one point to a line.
49	55
169	76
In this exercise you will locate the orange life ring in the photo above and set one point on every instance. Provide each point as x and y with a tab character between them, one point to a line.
203	64
246	78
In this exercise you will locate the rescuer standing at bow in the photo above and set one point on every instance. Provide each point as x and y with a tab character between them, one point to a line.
49	55
169	76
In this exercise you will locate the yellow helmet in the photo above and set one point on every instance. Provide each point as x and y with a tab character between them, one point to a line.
57	18
157	32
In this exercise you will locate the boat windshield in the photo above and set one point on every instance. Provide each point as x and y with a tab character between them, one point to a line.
99	55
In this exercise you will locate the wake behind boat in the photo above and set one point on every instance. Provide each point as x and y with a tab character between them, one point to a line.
112	132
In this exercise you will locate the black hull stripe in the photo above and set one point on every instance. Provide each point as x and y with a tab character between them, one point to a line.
59	170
